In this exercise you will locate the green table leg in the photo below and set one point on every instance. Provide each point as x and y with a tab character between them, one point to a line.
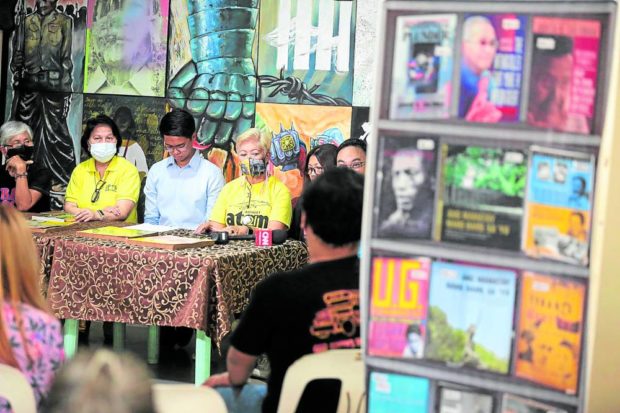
118	336
203	357
71	337
152	353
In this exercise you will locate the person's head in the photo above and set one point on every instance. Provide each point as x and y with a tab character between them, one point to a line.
579	185
125	122
101	382
332	207
408	177
415	342
319	159
101	138
45	7
252	147
177	129
16	137
19	272
352	154
577	223
479	44
552	71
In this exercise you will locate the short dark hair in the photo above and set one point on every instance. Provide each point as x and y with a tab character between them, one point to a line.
563	45
352	142
333	206
92	123
326	154
177	123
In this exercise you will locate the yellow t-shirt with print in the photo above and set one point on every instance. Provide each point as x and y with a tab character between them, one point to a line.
122	181
263	202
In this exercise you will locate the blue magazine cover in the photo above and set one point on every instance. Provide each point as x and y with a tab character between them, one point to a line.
390	393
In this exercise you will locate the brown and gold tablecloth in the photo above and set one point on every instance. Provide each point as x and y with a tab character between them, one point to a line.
200	288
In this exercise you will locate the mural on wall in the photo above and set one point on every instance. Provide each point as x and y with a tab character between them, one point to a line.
295	129
365	50
305	52
137	119
360	123
126	47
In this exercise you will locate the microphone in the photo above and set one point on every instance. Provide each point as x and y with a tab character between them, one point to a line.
278	236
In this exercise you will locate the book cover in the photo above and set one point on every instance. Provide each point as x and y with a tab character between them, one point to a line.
481	196
171	242
514	404
471	316
422	66
492	55
389	393
404	201
559	205
461	400
47	226
398	306
115	233
564	73
57	216
549	331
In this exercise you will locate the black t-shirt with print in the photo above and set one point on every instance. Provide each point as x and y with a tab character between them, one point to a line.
38	179
291	314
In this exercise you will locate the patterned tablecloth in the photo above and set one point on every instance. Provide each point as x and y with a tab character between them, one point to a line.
200	288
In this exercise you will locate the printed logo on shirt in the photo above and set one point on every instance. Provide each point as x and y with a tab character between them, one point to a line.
341	315
255	220
7	196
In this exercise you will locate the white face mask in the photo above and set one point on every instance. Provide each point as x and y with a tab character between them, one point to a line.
103	152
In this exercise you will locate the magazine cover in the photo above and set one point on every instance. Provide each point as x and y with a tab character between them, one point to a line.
422	66
481	196
492	50
460	400
549	331
398	306
405	187
564	73
470	316
389	393
514	404
559	205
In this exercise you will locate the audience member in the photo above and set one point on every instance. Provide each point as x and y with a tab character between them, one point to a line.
30	338
254	200
286	315
181	189
352	154
22	182
130	148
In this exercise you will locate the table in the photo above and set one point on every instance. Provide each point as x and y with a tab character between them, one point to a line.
201	288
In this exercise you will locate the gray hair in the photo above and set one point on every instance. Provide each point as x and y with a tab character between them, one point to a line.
471	23
12	128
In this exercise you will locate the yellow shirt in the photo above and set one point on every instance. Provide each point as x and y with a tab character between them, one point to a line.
263	202
122	181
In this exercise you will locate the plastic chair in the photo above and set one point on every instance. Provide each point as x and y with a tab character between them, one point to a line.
15	388
173	398
344	365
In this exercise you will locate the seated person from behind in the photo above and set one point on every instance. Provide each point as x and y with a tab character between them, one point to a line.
255	199
287	314
105	187
22	183
352	154
30	337
181	189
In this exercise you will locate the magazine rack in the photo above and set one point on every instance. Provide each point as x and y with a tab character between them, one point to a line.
460	227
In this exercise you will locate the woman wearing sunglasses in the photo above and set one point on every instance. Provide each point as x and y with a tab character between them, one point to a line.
105	187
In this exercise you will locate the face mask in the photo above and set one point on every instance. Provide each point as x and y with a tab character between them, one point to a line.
103	152
253	167
23	151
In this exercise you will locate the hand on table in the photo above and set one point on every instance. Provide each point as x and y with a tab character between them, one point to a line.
202	228
237	230
86	215
114	210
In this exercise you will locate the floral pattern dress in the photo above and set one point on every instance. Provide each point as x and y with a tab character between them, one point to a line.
43	335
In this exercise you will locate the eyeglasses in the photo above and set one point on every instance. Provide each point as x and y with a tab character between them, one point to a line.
97	192
354	165
315	171
178	148
17	144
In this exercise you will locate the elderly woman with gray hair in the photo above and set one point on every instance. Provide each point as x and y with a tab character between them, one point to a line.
22	183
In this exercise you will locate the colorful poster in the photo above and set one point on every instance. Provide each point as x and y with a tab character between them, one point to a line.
564	74
514	404
406	187
559	205
459	400
481	196
422	66
471	313
398	306
294	130
126	47
365	52
389	393
492	51
550	330
305	51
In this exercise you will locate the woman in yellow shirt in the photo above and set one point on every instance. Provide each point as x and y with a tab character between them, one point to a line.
255	199
105	187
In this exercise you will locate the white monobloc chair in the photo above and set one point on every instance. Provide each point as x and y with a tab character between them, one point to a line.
345	365
175	398
15	388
